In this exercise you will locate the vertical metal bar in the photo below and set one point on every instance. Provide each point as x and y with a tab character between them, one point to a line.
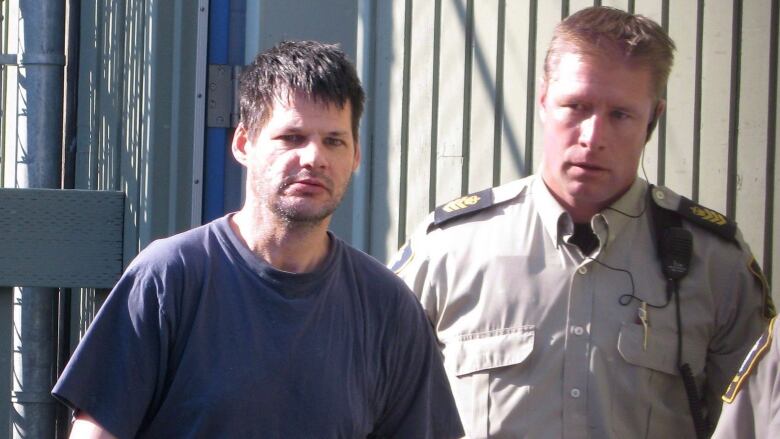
6	356
697	86
436	77
71	94
467	85
531	87
3	78
736	65
661	175
498	112
39	121
404	161
72	29
366	44
199	125
771	142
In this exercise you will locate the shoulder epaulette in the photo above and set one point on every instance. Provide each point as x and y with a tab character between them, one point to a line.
750	363
695	213
472	203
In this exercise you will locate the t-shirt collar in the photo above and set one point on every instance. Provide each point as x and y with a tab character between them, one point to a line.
294	284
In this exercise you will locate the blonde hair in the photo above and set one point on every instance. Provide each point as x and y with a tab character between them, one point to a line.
604	31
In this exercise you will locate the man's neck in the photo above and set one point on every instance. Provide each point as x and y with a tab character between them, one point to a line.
582	211
288	247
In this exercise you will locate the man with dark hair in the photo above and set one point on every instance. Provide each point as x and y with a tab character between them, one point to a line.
262	323
567	304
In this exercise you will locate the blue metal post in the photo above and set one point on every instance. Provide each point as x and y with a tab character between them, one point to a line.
216	138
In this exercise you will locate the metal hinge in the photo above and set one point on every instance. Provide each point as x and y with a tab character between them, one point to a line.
222	108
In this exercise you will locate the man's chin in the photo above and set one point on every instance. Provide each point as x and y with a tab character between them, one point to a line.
304	215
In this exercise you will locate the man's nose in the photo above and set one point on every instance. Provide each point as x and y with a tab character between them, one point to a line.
592	132
312	154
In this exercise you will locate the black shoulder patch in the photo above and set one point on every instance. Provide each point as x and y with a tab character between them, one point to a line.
462	206
749	364
708	219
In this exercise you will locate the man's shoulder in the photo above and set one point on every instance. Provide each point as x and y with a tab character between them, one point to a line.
700	216
716	231
366	266
464	208
179	248
447	220
379	281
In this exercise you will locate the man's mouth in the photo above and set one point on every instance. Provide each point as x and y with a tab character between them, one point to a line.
585	166
307	181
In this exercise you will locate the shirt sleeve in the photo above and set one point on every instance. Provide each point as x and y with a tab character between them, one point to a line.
755	410
411	264
115	372
418	402
739	320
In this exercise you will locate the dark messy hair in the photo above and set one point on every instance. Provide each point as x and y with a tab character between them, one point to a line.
319	71
600	30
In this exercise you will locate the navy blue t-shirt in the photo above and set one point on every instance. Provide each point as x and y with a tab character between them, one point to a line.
200	338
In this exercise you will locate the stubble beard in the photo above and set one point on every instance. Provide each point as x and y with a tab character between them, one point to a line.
298	213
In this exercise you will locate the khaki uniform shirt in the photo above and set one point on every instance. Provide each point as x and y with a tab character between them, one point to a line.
540	341
754	411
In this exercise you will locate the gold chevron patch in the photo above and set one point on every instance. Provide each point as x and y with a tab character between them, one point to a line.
709	215
461	203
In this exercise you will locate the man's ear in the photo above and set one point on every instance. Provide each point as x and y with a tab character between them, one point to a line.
239	144
659	110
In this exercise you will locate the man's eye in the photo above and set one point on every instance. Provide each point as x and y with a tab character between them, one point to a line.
334	141
294	139
620	115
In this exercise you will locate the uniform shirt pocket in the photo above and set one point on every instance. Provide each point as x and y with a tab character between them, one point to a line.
654	389
660	353
472	360
490	349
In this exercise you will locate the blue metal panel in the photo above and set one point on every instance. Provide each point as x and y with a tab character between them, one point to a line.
233	170
221	175
214	174
216	138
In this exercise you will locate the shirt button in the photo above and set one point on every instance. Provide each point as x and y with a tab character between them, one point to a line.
575	393
578	330
582	270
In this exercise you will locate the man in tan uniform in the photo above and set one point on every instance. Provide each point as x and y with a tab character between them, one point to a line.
552	311
752	408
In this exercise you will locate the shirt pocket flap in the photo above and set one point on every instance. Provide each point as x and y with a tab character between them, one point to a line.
661	351
491	349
